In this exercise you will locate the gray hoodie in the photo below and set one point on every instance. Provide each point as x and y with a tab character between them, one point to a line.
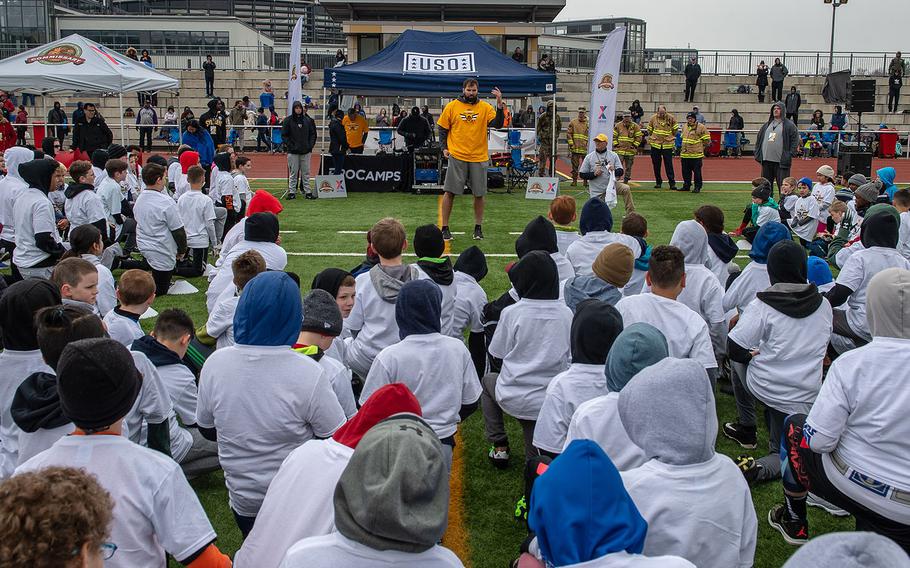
388	280
778	72
849	550
789	140
394	493
668	411
690	237
888	304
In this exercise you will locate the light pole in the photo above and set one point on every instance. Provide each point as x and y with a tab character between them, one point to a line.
835	4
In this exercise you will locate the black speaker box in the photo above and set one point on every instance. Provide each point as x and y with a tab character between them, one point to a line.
855	163
861	95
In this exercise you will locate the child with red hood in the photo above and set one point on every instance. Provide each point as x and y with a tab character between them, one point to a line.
298	503
262	202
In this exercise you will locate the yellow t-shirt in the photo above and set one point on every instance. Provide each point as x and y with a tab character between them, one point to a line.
354	130
467	126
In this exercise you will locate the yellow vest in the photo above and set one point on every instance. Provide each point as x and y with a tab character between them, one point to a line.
626	140
694	141
662	131
577	136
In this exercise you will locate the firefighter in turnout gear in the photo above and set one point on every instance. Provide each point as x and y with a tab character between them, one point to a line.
627	138
695	140
544	138
662	138
577	136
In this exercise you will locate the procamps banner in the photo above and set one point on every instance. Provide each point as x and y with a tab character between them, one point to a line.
603	87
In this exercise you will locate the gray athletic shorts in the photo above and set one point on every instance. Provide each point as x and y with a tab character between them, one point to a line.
475	173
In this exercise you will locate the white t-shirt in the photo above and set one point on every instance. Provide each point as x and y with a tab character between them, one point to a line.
806	207
220	324
766	214
32	213
565	238
298	503
152	406
100	175
107	292
439	371
752	280
174	171
686	332
856	274
786	374
242	187
701	512
155	509
861	414
84	209
33	443
583	252
10	188
374	320
230	240
109	192
181	185
275	259
598	420
623	559
122	329
334	550
156	216
703	294
449	293
197	211
223	185
903	241
15	367
264	401
533	341
574	386
181	386
636	283
563	267
340	378
718	267
469	302
824	196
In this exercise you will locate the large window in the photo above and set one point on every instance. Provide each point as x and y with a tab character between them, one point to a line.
23	22
368	45
172	42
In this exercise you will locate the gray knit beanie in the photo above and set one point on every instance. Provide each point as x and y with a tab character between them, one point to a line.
849	550
868	191
321	314
857	180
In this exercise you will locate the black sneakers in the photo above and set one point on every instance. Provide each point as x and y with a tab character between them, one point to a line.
478	233
742	435
750	468
794	532
446	234
498	457
292	196
309	196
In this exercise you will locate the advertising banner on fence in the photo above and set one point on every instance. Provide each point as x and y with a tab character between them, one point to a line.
603	87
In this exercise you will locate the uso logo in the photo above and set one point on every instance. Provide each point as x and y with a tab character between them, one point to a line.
432	63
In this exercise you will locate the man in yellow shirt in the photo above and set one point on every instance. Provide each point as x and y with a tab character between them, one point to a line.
355	129
695	140
463	137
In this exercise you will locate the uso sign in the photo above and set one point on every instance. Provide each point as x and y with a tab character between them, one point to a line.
429	63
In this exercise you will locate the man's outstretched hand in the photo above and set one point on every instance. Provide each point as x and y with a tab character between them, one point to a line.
498	94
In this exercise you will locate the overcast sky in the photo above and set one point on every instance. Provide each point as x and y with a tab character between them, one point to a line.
802	25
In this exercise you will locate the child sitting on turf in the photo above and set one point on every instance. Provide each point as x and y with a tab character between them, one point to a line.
261	202
639	346
341	285
242	184
85	243
436	368
562	214
77	279
266	325
135	292
165	348
784	374
159	230
83	206
429	247
787	198
686	332
594	328
532	339
111	195
721	248
36	405
20	356
805	219
595	226
322	324
823	192
198	214
187	159
819	273
612	270
695	501
223	192
886	176
372	321
762	209
540	234
636	226
470	269
901	201
220	324
157	511
289	514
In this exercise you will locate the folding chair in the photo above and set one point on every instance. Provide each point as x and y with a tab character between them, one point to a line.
386	141
520	169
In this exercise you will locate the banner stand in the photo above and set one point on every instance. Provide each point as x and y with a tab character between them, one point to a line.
604	86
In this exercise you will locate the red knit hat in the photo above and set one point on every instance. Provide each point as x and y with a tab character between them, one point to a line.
264	202
187	159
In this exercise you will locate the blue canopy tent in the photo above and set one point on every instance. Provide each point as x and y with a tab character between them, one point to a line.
437	63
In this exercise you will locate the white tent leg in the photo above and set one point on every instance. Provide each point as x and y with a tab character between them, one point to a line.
122	131
44	115
180	126
553	138
325	117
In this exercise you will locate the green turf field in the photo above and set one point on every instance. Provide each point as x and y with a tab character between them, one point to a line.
490	494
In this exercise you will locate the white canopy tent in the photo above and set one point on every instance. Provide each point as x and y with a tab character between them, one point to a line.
75	64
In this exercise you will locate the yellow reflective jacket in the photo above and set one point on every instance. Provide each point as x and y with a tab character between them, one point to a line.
626	139
662	131
577	136
695	140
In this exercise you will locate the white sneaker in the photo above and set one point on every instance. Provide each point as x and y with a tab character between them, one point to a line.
830	508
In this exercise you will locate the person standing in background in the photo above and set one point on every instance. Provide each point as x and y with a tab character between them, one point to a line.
146	123
896	65
636	111
298	131
208	69
792	104
237	118
546	140
692	72
776	145
778	73
895	81
56	116
662	138
338	142
761	80
356	128
577	136
627	138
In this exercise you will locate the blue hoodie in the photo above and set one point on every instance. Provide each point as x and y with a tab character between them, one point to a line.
887	175
202	143
767	236
269	312
818	270
581	511
417	308
595	216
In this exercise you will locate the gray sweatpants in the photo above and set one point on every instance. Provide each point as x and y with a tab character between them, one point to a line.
494	421
771	463
745	402
220	219
298	168
202	457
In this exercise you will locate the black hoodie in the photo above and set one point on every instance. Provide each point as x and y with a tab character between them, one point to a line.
298	131
723	246
18	306
881	229
74	189
100	157
261	228
790	293
594	329
36	404
539	234
223	161
157	353
429	247
472	262
536	277
38	174
215	121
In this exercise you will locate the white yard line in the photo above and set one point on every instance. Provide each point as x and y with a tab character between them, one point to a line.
360	254
365	232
